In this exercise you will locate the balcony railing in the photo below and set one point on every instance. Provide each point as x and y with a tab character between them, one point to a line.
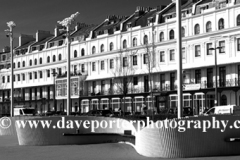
234	82
166	87
221	83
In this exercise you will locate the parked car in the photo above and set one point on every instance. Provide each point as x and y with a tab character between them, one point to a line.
227	109
105	113
187	111
93	113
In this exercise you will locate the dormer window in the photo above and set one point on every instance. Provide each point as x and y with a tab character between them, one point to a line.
41	47
174	15
149	21
51	45
60	43
17	52
222	5
116	29
204	7
34	48
3	57
106	31
129	25
184	13
100	32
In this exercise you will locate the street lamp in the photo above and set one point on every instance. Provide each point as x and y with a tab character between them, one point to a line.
216	87
179	49
54	90
215	49
9	32
67	22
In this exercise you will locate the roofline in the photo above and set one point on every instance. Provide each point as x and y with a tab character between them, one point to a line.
121	25
97	27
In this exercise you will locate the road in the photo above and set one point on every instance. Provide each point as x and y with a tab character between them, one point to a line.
10	150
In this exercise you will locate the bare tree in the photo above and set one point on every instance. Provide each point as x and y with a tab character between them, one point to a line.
123	74
150	60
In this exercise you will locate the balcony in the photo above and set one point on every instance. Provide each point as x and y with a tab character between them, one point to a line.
234	82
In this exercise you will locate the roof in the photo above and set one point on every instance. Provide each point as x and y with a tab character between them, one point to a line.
43	41
144	19
83	30
106	25
4	52
59	37
204	1
110	23
186	5
25	45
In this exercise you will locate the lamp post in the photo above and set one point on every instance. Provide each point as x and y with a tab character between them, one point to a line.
179	49
9	32
54	90
215	64
67	22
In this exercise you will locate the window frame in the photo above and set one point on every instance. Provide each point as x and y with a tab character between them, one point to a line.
222	46
135	81
75	54
93	66
197	50
208	26
134	42
102	65
102	48
111	65
209	51
171	34
196	29
220	24
125	64
238	20
238	44
161	36
172	55
134	60
82	52
162	56
145	40
111	46
93	49
83	68
124	44
145	58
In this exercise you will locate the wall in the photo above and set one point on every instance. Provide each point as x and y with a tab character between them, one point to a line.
169	143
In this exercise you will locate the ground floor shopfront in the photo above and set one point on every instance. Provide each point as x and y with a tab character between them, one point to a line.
198	100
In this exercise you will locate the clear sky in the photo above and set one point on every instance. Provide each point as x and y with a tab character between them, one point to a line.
33	15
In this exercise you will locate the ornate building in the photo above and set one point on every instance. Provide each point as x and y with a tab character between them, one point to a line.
132	60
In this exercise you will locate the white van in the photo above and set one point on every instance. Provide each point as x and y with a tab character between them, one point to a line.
22	110
229	109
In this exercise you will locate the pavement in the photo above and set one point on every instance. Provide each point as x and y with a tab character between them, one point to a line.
10	150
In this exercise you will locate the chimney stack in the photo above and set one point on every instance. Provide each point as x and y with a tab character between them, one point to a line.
40	35
6	49
23	39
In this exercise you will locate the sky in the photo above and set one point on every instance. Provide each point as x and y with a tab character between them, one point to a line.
33	15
